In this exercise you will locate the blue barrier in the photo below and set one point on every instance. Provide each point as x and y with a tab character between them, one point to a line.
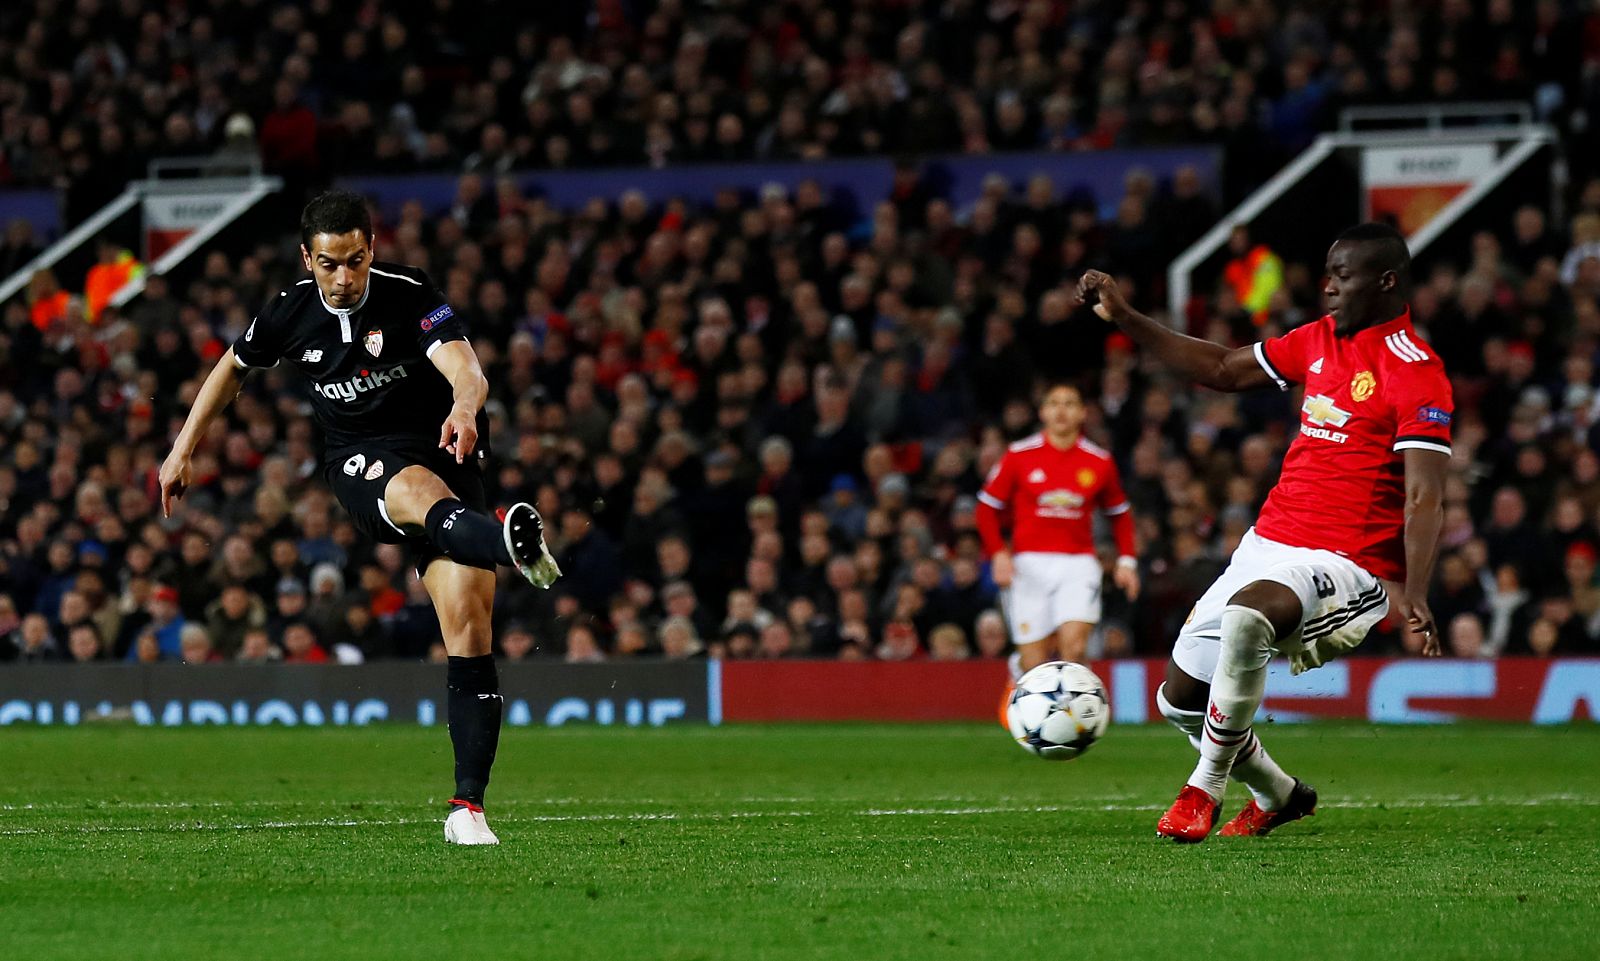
851	185
42	208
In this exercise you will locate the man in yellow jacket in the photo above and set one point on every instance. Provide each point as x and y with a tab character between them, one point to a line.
1254	274
116	267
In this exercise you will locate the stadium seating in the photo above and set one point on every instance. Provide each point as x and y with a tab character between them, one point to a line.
832	389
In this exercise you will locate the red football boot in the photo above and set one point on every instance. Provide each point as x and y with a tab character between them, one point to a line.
1191	817
1253	822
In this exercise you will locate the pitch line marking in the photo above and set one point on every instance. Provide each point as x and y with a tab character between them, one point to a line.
640	817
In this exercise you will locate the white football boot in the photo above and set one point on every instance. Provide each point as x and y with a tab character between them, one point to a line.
466	825
523	530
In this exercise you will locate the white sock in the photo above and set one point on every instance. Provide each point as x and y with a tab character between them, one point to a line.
1236	691
1254	767
1267	782
1014	665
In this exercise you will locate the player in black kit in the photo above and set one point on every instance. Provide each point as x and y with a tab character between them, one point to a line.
398	394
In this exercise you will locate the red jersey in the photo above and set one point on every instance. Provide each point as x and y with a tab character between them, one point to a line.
1368	397
1051	495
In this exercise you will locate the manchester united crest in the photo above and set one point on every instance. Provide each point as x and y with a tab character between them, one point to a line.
1362	386
1085	477
373	342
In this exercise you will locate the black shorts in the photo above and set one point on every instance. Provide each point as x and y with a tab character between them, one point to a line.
359	474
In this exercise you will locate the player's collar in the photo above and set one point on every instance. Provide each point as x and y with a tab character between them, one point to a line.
345	333
335	311
1402	322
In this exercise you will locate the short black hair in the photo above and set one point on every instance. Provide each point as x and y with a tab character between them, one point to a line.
335	212
1047	384
1386	246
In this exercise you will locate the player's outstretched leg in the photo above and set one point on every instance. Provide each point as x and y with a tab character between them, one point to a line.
464	599
1253	620
418	498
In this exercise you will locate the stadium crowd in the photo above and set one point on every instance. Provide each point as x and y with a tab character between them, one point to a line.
91	89
754	428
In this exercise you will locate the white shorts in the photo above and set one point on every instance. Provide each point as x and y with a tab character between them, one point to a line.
1341	603
1050	590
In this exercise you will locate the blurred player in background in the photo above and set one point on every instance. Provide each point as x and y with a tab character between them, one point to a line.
1352	523
1048	486
398	395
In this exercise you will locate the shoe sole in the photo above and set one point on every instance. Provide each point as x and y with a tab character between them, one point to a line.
524	566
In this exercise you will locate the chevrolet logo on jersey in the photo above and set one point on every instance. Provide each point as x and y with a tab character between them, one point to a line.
348	390
1060	503
1320	410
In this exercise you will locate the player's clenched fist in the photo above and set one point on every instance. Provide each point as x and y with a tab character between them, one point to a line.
174	479
1098	288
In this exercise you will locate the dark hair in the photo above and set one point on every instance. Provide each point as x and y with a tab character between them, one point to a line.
1386	247
335	212
1047	384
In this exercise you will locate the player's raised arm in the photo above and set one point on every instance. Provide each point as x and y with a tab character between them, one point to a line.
1425	473
459	364
1207	364
221	387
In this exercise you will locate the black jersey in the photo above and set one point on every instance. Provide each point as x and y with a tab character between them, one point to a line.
368	366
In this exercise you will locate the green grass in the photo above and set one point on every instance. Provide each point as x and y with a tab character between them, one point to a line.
850	842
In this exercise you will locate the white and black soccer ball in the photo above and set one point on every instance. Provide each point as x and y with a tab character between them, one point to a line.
1058	710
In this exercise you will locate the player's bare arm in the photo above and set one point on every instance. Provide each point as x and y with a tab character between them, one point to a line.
221	387
459	364
1425	474
1207	364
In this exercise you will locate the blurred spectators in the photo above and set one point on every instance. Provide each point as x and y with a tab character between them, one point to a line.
753	428
91	91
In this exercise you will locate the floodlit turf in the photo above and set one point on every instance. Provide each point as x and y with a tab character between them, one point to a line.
851	842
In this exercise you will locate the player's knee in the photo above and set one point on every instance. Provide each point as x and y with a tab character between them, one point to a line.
411	493
1273	601
1247	640
1186	719
1181	691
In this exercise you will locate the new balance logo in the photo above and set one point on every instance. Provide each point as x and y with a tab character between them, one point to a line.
1316	366
311	356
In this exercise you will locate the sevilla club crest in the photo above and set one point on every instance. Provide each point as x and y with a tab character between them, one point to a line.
373	342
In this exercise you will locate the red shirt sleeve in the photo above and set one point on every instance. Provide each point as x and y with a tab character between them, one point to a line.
993	500
1284	358
1113	503
1424	408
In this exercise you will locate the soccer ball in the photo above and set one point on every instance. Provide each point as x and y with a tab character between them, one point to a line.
1058	710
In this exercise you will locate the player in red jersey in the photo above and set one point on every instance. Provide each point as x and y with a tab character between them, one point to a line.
1050	484
1352	524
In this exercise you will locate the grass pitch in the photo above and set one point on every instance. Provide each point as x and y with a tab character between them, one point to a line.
802	842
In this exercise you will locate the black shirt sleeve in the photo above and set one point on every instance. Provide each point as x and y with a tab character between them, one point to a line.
437	321
261	345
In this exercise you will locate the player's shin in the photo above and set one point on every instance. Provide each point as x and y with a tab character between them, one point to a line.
466	536
1236	691
475	708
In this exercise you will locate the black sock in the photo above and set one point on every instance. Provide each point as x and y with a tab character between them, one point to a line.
465	535
475	707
